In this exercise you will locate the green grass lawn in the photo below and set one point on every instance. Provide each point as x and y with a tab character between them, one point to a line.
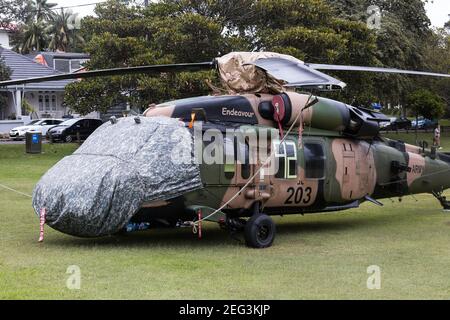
317	256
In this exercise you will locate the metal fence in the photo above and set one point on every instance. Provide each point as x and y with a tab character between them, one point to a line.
413	130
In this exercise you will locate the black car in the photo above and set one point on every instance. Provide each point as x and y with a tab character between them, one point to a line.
70	130
399	123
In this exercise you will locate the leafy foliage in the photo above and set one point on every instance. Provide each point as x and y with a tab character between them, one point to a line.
40	10
401	42
41	28
426	103
175	31
437	53
62	31
12	11
31	37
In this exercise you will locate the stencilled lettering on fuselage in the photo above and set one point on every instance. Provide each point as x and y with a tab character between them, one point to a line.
226	111
417	164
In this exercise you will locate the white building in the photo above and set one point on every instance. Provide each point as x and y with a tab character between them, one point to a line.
45	98
5	36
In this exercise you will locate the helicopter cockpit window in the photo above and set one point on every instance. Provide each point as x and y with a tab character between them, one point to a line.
314	161
229	161
286	158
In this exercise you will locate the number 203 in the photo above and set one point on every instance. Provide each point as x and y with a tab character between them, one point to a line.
298	195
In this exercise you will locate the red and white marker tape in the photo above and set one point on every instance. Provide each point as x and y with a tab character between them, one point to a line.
41	223
199	213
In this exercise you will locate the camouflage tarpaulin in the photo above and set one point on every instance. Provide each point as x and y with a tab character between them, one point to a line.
239	75
96	190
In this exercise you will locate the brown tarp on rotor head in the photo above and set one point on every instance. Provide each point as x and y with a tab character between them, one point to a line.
239	75
269	72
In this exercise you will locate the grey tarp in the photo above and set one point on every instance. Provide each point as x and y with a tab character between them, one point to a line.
97	189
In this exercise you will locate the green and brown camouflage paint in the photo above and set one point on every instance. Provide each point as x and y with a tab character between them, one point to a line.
355	166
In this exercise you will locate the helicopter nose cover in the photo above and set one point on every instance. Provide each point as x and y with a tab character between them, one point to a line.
96	190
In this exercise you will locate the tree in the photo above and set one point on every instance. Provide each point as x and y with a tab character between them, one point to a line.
129	36
437	54
41	10
42	28
309	30
62	31
31	37
425	103
175	31
404	30
12	11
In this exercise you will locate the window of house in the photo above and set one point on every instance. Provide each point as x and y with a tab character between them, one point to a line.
47	101
76	64
41	103
314	161
54	102
61	65
68	65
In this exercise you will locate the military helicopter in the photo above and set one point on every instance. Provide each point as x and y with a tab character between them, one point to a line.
319	155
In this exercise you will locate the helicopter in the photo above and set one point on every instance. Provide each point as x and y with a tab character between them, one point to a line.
267	147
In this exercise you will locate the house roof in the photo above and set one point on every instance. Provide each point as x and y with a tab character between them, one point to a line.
23	67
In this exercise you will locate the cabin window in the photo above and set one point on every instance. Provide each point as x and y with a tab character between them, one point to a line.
286	157
229	162
245	167
314	161
291	160
243	156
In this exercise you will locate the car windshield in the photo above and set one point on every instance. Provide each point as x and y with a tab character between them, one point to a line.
68	122
33	122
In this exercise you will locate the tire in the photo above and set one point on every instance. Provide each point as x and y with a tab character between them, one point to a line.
68	138
259	231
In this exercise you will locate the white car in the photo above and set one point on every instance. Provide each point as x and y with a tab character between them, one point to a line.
41	126
387	123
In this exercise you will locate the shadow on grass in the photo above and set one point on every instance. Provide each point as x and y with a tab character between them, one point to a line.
214	236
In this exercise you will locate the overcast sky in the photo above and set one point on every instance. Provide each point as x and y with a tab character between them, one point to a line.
438	10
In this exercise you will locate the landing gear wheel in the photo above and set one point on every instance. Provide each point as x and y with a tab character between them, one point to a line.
259	231
68	138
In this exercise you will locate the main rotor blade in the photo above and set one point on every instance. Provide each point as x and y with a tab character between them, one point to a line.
374	69
155	69
296	74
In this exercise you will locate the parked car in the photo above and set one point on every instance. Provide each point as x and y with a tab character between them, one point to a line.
397	123
39	125
401	123
386	125
70	130
423	123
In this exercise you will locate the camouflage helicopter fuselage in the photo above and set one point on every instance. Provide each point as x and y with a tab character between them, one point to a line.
339	161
